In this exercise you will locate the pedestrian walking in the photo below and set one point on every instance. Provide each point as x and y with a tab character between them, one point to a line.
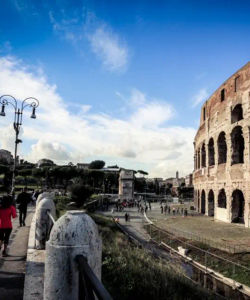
161	209
126	217
185	212
146	209
173	211
169	209
23	199
7	211
165	209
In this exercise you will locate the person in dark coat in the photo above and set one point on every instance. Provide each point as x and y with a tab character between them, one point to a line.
23	199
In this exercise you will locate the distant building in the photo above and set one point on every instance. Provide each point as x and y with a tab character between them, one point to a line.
176	182
189	180
126	184
82	166
6	156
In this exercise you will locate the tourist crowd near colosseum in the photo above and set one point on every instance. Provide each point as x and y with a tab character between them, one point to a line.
222	155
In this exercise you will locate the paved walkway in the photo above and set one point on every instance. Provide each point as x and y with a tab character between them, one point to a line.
205	227
12	268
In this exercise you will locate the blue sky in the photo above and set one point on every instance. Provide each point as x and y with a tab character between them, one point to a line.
121	81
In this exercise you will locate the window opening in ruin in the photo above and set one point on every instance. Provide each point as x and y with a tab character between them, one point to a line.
211	203
237	113
199	160
222	199
222	95
198	201
204	113
203	156
238	204
236	83
238	145
203	202
222	148
211	152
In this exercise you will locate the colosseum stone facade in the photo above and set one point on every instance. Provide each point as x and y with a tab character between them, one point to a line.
222	152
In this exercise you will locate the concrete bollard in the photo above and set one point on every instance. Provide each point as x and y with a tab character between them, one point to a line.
75	233
43	221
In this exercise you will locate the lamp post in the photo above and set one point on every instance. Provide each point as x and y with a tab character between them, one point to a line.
18	119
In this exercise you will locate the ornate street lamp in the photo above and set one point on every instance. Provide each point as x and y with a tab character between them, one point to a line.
18	119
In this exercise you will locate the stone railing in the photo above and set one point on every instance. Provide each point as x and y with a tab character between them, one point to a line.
71	255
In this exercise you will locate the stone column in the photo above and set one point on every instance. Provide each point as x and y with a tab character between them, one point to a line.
75	233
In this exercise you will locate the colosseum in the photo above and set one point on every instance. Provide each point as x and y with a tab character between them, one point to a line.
222	152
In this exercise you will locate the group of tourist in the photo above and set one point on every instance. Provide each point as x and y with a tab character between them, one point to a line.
8	211
167	209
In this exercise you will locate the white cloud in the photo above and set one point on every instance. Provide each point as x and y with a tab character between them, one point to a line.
108	47
54	151
140	140
201	96
77	26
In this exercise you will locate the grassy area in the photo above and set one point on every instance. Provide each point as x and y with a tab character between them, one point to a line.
227	269
129	272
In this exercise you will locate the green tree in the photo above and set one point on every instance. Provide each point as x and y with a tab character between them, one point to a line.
80	193
25	173
97	164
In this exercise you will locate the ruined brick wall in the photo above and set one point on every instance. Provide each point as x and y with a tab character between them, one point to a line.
225	124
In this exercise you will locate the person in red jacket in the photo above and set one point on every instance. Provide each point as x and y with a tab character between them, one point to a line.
7	210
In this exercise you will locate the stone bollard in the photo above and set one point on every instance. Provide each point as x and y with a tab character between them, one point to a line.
45	195
43	221
75	233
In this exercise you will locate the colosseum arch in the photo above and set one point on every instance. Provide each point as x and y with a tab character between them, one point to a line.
198	198
211	203
222	148
203	155
199	158
237	113
222	199
203	202
238	145
238	204
211	152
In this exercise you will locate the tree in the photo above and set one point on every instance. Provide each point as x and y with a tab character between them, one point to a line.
25	173
80	193
97	164
142	172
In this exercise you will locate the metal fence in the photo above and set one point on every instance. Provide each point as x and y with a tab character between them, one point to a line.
222	265
233	249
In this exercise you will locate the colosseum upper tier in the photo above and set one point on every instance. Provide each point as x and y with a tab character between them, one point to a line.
222	152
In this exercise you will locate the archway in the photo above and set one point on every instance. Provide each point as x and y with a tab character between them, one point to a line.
211	152
222	199
222	148
211	203
199	159
203	156
237	114
238	204
198	208
203	202
238	145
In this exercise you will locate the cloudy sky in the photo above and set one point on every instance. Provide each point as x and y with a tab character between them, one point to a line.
121	81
